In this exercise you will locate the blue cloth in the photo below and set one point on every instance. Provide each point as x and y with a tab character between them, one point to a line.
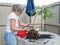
30	8
10	38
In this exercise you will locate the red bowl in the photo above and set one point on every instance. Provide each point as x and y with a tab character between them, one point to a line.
22	33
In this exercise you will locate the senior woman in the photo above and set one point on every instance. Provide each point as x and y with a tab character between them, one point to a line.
12	25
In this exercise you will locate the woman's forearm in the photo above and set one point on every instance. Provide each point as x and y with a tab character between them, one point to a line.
16	29
23	24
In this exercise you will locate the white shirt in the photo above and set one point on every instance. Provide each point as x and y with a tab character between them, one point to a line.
11	16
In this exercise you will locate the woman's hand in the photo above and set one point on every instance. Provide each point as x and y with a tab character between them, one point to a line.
31	26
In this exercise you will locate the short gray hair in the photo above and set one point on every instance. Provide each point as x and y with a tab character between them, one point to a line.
17	7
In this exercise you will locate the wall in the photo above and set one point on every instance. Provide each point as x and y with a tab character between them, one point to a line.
53	24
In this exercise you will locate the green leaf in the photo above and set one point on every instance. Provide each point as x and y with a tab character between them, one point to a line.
44	10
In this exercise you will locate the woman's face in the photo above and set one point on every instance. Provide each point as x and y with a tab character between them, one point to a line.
18	13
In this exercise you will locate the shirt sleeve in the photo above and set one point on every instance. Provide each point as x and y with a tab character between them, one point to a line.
12	17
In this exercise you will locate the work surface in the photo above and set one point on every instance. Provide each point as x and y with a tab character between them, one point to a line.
55	40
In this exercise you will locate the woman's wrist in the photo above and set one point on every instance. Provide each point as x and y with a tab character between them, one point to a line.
27	25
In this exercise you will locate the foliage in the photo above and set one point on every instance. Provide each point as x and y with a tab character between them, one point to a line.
45	12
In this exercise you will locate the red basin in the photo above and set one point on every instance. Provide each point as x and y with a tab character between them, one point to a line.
22	33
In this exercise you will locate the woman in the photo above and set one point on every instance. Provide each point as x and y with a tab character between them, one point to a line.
12	25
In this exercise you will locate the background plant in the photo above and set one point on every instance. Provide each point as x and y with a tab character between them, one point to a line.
45	13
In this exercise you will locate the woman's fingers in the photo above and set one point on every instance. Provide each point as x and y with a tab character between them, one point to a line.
31	26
